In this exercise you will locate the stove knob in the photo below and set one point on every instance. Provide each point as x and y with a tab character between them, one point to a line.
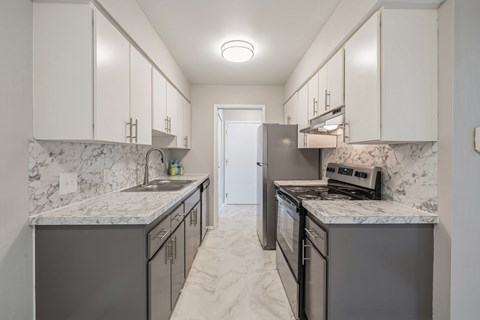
363	175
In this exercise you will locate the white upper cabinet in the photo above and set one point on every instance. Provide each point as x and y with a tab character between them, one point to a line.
312	105
331	84
310	141
187	125
89	84
290	113
336	84
112	82
140	97
160	119
391	78
173	100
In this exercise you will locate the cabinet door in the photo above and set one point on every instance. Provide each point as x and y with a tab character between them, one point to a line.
323	89
362	83
180	141
172	106
189	241
291	110
315	284
336	80
141	97
178	263
159	284
313	97
112	82
159	100
302	115
187	126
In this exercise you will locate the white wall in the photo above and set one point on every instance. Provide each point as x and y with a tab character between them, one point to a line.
16	77
465	286
242	115
200	158
131	17
348	16
442	245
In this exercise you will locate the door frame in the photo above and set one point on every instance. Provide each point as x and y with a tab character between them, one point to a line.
225	146
216	108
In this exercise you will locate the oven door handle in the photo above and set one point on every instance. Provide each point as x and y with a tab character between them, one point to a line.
284	202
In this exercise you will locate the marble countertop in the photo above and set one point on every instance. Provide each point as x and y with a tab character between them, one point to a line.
122	208
367	212
300	183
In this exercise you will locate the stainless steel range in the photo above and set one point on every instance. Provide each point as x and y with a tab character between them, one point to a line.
345	182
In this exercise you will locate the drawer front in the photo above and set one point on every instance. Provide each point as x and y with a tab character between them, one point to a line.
191	201
317	235
158	235
177	216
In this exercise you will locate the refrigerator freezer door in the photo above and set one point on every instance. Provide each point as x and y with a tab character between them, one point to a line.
262	168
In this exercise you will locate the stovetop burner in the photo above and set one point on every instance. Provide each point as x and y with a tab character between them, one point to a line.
309	197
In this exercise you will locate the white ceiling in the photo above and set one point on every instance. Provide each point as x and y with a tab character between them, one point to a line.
280	30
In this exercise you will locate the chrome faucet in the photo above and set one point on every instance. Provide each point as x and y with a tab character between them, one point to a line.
145	180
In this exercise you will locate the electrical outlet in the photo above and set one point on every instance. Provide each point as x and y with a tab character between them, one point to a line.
107	176
68	182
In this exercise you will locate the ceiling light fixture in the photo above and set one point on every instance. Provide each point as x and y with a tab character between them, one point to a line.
237	51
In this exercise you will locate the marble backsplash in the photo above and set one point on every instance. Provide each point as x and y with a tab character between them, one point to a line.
409	171
124	164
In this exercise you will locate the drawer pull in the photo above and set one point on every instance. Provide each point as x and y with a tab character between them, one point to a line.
165	233
313	234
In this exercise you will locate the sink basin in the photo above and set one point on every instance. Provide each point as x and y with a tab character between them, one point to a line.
160	185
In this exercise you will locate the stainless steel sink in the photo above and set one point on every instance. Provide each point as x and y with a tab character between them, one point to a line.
160	185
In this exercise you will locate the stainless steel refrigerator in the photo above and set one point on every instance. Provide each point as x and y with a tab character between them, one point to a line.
278	158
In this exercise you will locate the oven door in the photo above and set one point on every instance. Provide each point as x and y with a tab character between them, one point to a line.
288	226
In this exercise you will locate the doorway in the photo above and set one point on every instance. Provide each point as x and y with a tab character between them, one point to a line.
235	142
240	155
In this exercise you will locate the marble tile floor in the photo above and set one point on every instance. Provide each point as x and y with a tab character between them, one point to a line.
232	278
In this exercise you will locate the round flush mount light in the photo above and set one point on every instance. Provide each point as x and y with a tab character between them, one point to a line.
237	51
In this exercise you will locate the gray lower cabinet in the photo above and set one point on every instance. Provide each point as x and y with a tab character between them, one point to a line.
315	283
159	269
368	271
192	236
177	240
112	272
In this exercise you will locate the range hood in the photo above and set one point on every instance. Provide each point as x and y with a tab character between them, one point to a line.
327	123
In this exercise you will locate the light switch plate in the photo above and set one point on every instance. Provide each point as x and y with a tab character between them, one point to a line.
68	182
477	139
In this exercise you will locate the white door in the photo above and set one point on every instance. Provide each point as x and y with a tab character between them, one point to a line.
240	163
220	157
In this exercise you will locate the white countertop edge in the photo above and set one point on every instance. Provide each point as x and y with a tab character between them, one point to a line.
140	219
417	216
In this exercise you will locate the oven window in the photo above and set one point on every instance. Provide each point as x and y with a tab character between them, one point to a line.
286	226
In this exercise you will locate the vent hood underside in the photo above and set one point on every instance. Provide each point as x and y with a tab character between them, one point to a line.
328	123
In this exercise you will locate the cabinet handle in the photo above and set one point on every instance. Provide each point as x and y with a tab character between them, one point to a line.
191	218
288	119
185	141
166	124
315	111
314	236
165	233
174	245
345	136
196	216
169	125
136	131
303	252
168	253
327	95
130	130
